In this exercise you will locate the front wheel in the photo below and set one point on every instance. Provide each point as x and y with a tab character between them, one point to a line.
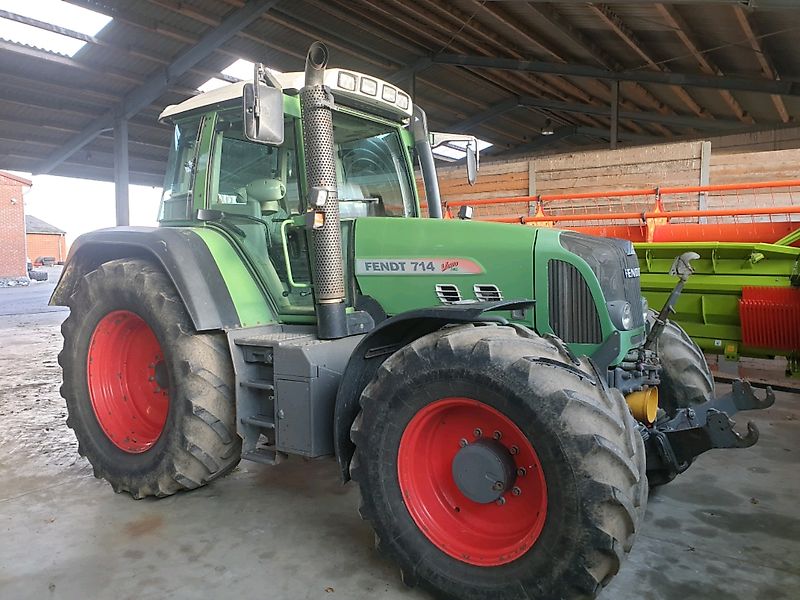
492	467
686	379
149	399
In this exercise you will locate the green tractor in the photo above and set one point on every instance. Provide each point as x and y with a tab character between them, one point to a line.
493	390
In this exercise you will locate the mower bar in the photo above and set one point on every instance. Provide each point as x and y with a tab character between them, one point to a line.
673	444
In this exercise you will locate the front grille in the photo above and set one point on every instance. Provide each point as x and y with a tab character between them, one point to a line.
609	258
573	314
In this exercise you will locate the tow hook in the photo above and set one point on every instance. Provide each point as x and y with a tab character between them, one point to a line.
673	444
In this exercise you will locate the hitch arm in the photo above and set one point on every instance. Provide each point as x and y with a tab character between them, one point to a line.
672	445
682	267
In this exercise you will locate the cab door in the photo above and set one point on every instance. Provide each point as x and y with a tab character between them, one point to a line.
257	189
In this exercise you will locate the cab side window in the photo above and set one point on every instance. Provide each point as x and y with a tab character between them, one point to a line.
176	200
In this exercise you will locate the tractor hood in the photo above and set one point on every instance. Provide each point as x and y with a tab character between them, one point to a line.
415	263
586	289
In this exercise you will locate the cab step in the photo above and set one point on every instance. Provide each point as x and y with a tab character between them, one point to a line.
265	456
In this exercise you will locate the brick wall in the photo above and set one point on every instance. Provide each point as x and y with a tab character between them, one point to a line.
12	228
46	244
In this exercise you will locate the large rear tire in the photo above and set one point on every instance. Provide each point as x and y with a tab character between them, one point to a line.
686	379
149	399
508	395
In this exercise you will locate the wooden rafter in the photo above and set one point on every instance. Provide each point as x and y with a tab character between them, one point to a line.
766	66
616	24
681	29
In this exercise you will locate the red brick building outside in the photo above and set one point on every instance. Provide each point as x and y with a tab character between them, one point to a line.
44	240
12	228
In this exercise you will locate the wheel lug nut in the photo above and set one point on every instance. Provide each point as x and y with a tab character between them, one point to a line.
516	491
514	450
501	501
462	442
498	485
521	472
497	435
477	433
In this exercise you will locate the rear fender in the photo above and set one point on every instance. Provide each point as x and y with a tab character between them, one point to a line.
182	254
383	341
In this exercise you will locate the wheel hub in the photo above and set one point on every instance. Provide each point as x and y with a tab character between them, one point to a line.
128	381
484	470
472	481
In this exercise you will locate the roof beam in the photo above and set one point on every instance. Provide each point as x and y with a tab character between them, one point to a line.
128	50
783	87
766	66
766	4
485	115
554	21
681	29
561	133
159	82
643	116
589	109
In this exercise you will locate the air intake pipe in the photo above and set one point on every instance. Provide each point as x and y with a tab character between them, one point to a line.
316	102
419	128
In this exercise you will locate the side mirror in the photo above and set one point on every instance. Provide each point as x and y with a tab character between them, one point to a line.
263	113
460	142
472	162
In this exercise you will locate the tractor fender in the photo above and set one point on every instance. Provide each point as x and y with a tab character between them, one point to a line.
182	254
388	337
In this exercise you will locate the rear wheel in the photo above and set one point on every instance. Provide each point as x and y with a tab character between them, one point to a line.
149	399
491	467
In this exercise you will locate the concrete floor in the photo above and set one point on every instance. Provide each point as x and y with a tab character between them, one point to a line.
729	528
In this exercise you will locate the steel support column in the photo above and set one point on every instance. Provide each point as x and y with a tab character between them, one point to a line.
614	115
121	172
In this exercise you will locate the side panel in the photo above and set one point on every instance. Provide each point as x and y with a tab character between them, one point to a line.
251	304
214	284
399	262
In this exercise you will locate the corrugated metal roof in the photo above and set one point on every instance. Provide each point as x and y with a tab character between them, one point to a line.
46	99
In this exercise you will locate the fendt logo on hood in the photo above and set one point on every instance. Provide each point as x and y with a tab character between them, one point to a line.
632	273
417	266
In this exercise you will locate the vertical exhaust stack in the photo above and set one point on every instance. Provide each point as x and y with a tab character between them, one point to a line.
328	270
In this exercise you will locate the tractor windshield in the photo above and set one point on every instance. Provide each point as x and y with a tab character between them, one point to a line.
372	170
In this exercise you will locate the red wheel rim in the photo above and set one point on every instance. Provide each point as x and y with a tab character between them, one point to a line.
478	534
127	381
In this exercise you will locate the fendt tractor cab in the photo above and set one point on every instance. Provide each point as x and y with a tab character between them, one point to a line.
500	394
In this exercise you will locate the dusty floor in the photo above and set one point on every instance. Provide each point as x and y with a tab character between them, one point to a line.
730	528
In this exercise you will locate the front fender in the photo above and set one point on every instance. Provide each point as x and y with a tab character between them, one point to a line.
383	341
181	252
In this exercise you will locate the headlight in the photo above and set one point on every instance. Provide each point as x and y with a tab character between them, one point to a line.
621	314
645	309
403	101
369	86
389	94
347	81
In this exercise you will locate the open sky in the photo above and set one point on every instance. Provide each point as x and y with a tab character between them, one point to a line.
81	205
